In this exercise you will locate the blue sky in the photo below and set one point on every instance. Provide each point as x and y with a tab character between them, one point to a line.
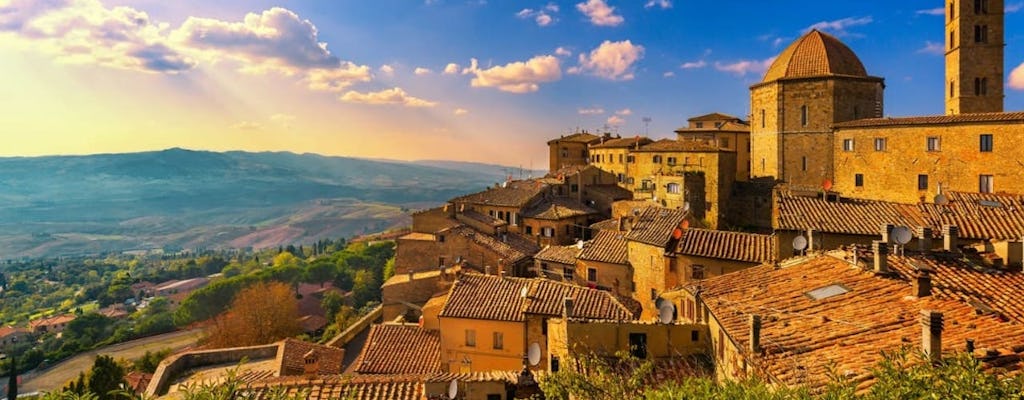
396	78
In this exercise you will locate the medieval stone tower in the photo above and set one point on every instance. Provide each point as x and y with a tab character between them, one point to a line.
974	56
815	82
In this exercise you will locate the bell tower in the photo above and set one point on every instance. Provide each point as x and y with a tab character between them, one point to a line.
974	56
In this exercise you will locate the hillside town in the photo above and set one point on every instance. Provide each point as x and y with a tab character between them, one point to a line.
801	241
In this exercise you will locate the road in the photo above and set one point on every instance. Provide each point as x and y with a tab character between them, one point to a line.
56	376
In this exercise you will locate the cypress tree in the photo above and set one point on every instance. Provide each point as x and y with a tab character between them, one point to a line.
12	380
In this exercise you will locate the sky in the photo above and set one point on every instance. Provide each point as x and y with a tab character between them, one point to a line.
468	80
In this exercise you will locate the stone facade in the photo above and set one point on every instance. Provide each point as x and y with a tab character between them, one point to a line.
974	56
701	177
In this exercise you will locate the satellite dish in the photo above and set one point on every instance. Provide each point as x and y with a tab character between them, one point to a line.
941	199
533	353
901	235
800	243
524	292
827	185
686	206
579	245
666	312
453	389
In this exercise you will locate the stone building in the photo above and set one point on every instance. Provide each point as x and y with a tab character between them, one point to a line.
613	155
974	56
567	151
727	131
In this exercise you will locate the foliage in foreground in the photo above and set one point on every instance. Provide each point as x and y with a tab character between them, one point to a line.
900	375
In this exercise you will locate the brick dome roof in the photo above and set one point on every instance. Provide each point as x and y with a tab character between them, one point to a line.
815	54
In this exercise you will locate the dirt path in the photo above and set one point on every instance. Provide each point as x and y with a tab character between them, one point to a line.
56	376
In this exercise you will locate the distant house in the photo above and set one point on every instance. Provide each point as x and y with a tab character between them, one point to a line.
114	311
10	335
51	324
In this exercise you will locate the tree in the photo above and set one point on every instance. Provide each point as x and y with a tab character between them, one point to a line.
260	314
365	287
12	380
389	269
331	303
320	272
105	378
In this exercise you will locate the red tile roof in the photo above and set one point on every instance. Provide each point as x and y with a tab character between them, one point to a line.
349	387
292	353
6	331
848	216
514	194
619	143
680	146
581	137
714	117
803	338
726	245
979	215
558	208
490	297
654	225
400	349
558	254
50	321
512	247
1008	117
815	54
606	246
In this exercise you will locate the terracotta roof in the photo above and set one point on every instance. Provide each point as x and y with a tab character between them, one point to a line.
513	249
568	170
713	117
512	195
138	381
56	320
483	218
613	191
669	145
654	225
848	216
726	245
6	331
479	376
312	323
400	349
558	254
802	338
427	237
610	224
815	54
979	215
349	387
558	208
581	137
292	353
728	126
618	143
490	297
606	246
934	120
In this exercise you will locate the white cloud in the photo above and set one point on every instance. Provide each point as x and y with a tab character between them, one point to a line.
544	19
563	52
839	27
284	120
610	60
517	77
460	111
541	16
600	13
615	120
590	111
1016	80
337	79
668	74
931	11
779	41
624	112
694	64
387	70
552	7
1013	7
420	71
931	47
451	69
86	32
663	4
744	67
393	96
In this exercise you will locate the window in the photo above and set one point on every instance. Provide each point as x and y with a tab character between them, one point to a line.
671	161
567	273
470	338
638	345
803	163
858	180
951	88
847	144
698	272
499	341
440	238
440	261
985	183
723	142
529	230
981	6
673	188
565	152
762	164
803	115
981	34
620	178
980	86
986	142
568	230
620	158
694	335
544	267
630	180
879	144
933	143
718	124
583	153
922	182
657	159
630	159
700	125
574	188
494	397
654	294
591	274
762	118
952	44
554	364
856	112
547	231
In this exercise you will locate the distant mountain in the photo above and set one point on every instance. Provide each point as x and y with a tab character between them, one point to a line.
59	205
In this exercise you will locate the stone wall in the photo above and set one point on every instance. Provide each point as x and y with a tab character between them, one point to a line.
172	367
400	289
352	331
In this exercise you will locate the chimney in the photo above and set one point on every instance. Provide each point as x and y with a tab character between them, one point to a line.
881	250
568	307
488	270
755	334
311	363
811	243
924	238
622	224
501	274
887	232
931	334
922	284
410	275
950	235
1014	254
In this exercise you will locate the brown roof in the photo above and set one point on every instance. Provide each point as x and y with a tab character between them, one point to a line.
49	321
6	331
312	323
292	353
513	248
478	376
400	349
490	297
1017	117
567	170
612	191
618	143
979	215
511	195
607	246
803	338
726	245
581	137
669	145
349	387
847	216
815	54
713	117
654	226
558	254
558	208
611	224
486	219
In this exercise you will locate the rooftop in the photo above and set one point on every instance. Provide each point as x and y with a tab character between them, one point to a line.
291	357
716	116
620	143
848	216
558	208
727	245
558	254
1001	117
654	225
400	349
349	387
815	54
580	137
606	246
682	146
512	247
510	194
490	297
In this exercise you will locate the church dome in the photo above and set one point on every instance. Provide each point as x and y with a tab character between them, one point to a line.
815	54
